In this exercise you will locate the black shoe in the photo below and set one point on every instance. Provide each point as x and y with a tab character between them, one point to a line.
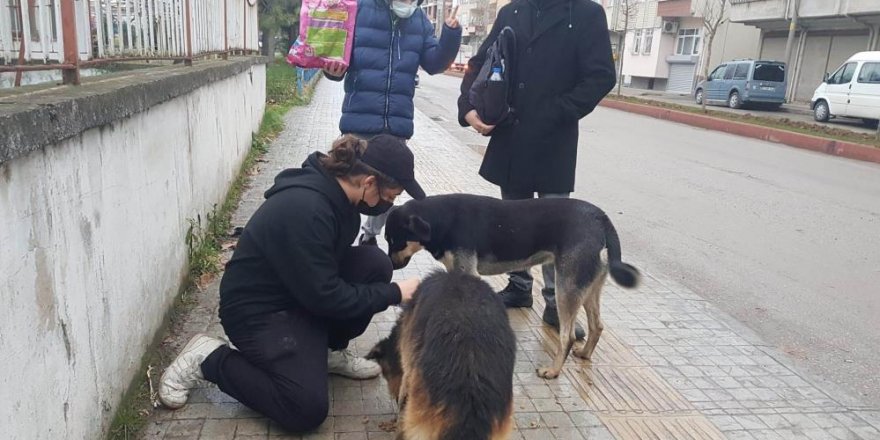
516	297
367	241
551	318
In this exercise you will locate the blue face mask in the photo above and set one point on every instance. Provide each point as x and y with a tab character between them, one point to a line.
403	9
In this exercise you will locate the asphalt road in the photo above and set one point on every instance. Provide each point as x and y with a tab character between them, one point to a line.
784	240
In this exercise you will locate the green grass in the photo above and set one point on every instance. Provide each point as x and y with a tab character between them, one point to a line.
204	240
782	123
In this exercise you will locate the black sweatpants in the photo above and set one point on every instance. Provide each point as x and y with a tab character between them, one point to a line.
280	367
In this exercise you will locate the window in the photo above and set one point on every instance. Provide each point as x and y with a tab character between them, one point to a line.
718	73
843	75
689	42
769	72
649	41
728	73
637	42
742	71
870	73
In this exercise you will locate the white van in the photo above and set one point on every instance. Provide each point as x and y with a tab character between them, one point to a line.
852	91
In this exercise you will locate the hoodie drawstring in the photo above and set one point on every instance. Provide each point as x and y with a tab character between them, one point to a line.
398	44
569	15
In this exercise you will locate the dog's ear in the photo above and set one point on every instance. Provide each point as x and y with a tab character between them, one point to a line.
420	228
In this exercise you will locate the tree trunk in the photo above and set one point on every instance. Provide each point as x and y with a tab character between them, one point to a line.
707	60
268	48
622	46
620	53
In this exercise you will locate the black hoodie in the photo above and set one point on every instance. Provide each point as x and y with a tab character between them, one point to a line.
289	252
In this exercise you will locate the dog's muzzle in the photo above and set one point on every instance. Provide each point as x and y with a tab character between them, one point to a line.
399	263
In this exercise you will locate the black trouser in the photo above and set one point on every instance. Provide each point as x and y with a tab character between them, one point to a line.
280	367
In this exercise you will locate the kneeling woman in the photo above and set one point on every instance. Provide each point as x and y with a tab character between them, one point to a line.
295	287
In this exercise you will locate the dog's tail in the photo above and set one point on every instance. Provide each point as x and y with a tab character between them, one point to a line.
623	274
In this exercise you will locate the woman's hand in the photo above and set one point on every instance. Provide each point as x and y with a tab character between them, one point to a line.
407	289
335	69
452	18
474	120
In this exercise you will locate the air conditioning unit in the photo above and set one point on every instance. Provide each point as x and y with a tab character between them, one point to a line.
670	27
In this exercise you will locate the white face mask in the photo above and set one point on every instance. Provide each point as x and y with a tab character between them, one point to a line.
403	9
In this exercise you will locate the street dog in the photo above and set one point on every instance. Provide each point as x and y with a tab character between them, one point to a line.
449	362
488	236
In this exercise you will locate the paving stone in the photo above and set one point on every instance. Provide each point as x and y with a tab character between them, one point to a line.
184	429
567	434
555	420
866	432
767	434
596	433
351	436
750	422
537	434
155	430
841	433
775	421
252	427
739	435
219	429
725	423
527	421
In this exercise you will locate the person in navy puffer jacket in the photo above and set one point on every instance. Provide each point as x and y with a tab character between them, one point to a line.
392	39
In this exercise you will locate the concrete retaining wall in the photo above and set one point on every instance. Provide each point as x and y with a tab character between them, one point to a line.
92	244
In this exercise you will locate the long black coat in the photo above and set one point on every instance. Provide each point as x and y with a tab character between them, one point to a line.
563	68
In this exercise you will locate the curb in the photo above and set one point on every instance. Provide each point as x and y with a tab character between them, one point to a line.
831	147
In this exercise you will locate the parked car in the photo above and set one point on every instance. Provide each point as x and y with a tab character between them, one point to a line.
742	82
852	91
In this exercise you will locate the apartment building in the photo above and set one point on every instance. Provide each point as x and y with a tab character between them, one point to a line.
665	42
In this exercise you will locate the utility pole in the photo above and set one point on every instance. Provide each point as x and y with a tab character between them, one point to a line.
792	28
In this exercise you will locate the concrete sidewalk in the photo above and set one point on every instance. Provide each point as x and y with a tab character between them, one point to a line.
669	364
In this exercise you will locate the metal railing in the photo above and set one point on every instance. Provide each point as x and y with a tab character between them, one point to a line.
71	34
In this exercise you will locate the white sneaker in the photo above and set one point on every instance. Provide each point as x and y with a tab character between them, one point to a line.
345	363
186	371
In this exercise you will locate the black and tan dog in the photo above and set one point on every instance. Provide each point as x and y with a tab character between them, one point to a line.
449	362
488	236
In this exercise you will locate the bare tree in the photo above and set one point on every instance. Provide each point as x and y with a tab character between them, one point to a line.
714	15
626	13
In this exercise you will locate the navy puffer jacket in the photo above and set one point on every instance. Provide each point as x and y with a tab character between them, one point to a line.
380	81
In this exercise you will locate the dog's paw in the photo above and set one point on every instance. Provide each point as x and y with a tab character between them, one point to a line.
582	354
547	373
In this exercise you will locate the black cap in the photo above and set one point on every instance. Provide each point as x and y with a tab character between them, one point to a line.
389	155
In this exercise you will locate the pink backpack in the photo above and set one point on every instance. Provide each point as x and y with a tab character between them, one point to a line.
326	33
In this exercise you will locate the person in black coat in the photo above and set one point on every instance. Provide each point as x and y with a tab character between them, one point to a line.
296	292
561	69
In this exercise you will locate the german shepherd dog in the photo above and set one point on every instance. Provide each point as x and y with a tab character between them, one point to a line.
449	362
488	236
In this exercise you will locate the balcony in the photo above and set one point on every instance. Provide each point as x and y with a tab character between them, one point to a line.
745	11
674	8
816	14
